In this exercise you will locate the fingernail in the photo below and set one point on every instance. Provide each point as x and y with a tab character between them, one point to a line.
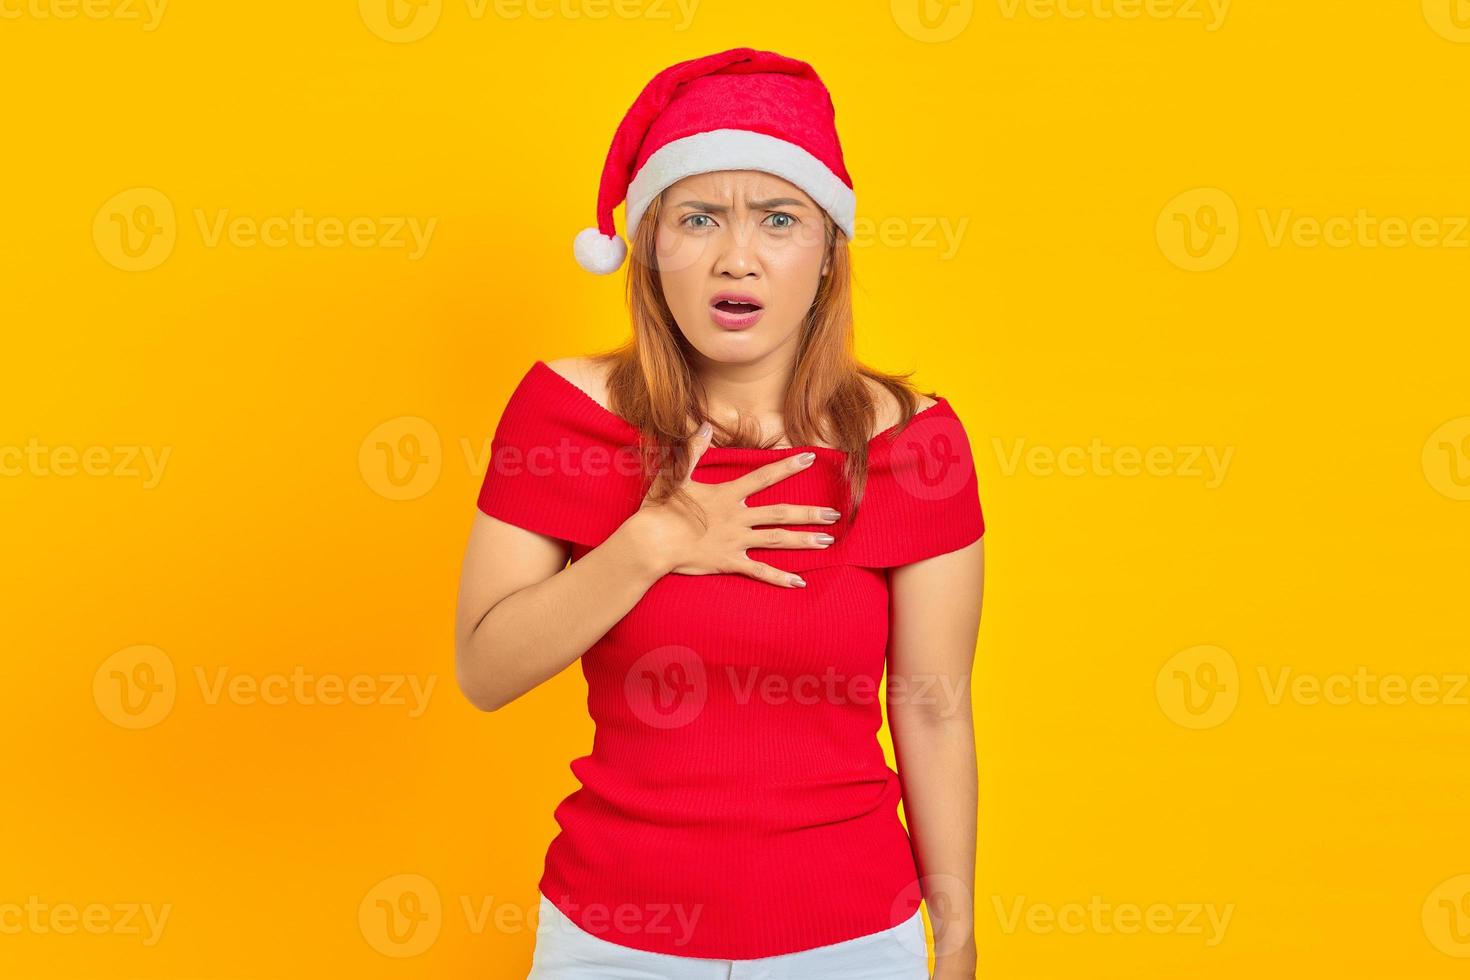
824	538
805	459
828	514
704	429
797	581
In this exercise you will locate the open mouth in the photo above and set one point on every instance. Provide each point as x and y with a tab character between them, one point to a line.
735	311
731	306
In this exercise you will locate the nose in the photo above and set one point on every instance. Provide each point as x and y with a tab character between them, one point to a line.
737	255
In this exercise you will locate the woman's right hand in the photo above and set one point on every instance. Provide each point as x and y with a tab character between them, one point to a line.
685	546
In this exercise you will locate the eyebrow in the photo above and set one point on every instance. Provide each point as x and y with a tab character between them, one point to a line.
785	202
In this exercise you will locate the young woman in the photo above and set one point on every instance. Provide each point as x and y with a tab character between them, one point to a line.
756	524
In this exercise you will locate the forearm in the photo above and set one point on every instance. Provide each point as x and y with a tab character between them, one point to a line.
535	633
938	772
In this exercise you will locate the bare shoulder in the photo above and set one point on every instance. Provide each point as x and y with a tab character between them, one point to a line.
586	374
888	405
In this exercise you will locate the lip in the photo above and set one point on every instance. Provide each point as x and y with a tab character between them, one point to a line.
735	321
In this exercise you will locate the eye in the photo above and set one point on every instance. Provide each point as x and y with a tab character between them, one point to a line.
791	220
686	221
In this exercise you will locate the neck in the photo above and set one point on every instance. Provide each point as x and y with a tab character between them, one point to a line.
754	389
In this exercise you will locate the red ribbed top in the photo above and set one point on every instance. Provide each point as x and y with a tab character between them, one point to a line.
736	802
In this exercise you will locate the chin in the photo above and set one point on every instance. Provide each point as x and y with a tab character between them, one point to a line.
732	348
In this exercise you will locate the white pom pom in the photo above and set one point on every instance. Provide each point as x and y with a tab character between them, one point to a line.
597	252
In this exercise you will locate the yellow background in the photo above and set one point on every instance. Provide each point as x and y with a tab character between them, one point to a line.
1065	150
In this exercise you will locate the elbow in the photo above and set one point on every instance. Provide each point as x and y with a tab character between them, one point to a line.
942	714
473	683
480	699
930	701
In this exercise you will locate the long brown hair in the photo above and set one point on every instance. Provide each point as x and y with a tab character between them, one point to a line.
650	382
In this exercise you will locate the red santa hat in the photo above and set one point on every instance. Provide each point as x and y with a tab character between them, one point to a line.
740	109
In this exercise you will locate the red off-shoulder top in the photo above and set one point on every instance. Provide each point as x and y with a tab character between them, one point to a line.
736	802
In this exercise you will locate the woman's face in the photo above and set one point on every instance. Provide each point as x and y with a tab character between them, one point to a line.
748	234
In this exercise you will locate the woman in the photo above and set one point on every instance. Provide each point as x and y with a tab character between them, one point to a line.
754	523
